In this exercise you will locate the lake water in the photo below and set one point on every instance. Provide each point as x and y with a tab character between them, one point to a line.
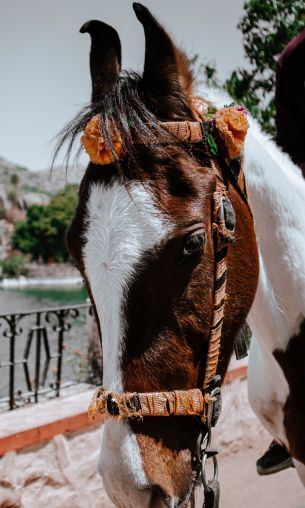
25	299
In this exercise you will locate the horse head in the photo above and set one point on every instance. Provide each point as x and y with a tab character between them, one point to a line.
143	239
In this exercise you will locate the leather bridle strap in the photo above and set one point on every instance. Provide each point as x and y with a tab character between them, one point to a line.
222	236
137	405
185	132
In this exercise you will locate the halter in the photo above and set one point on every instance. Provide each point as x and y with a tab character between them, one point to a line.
226	128
204	402
192	402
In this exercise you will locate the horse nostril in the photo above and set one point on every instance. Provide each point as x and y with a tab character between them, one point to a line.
169	501
162	494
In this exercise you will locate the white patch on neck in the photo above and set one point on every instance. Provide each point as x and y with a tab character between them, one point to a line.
121	225
277	195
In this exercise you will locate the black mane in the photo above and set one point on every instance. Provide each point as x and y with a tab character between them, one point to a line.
124	105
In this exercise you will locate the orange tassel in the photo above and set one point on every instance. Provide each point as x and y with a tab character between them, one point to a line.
232	126
95	144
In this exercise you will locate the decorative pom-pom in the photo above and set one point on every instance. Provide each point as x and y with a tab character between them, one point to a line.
95	144
232	125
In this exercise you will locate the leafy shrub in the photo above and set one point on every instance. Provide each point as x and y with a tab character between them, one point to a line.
2	211
13	266
12	196
15	179
42	234
267	27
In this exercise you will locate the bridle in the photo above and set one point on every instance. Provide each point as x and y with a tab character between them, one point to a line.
195	401
203	403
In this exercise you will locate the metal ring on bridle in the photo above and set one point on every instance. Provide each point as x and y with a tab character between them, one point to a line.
204	455
206	482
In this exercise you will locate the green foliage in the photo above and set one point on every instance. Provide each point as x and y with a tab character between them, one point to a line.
2	210
42	234
21	169
15	179
12	196
211	76
36	190
14	266
267	27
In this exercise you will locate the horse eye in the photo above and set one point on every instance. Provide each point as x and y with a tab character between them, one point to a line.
194	244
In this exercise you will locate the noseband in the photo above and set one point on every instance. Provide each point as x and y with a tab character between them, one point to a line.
204	402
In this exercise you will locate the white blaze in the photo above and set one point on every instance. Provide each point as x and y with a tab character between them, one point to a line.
121	225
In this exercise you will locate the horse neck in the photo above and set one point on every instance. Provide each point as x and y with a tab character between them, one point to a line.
277	194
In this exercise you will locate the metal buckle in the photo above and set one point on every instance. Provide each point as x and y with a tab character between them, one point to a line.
112	405
206	453
215	403
214	407
134	404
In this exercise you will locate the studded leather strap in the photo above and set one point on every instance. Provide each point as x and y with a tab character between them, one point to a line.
137	405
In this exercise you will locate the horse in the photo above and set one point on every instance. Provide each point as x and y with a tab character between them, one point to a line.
276	374
143	239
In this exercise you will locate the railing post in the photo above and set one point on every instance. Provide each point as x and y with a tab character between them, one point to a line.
60	350
37	336
37	356
12	337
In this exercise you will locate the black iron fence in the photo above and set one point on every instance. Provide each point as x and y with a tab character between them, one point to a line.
41	352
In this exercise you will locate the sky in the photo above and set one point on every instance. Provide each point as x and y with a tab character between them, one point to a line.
44	60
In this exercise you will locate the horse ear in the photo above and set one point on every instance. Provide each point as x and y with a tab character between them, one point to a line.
166	68
105	57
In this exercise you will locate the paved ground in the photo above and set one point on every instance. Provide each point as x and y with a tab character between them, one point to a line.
62	473
242	440
241	487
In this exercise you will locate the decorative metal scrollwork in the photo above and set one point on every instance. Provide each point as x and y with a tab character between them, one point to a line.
44	334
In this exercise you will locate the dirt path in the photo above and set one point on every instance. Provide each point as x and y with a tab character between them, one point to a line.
242	487
242	440
63	472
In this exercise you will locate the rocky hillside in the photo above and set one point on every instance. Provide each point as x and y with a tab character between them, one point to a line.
43	183
21	188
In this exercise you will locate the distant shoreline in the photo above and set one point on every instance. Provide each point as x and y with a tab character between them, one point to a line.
24	282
